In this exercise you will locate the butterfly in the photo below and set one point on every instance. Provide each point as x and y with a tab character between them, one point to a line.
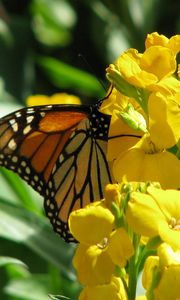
60	151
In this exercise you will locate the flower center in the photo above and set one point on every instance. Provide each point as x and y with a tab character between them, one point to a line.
174	224
103	244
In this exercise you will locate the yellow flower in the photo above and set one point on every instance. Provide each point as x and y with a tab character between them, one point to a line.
120	248
156	213
112	194
168	86
101	246
145	162
93	265
59	98
148	70
150	270
159	61
161	275
155	39
117	101
128	64
143	70
114	291
147	158
121	135
164	124
100	218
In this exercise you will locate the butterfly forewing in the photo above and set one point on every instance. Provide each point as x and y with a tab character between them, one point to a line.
60	151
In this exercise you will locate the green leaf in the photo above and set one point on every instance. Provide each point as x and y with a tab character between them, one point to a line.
5	260
35	287
20	190
5	33
59	13
52	21
20	225
65	76
16	65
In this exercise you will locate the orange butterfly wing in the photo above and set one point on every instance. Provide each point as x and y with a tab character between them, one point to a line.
60	151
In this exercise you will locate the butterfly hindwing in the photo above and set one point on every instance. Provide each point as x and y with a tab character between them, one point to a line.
60	151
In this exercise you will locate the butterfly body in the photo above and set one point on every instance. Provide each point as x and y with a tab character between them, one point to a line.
60	151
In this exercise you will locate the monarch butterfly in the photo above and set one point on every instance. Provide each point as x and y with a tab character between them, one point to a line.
60	150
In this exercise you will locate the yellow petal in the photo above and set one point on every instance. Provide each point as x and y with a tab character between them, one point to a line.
164	124
129	66
169	263
93	265
174	44
114	290
168	200
168	86
138	165
170	236
157	213
59	98
115	101
91	224
169	203
156	39
112	194
168	257
121	137
143	214
120	247
151	264
168	288
159	61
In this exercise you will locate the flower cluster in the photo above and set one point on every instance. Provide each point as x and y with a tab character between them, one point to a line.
136	227
145	109
117	234
103	246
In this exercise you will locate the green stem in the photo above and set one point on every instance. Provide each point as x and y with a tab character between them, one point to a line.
132	270
132	279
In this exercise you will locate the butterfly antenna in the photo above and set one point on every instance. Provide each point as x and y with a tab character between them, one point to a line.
106	97
92	70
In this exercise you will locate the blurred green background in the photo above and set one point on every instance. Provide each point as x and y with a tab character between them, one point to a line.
48	47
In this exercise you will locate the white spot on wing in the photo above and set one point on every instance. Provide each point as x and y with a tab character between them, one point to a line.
14	159
12	121
26	129
50	214
51	206
23	163
48	202
30	110
36	178
29	119
15	127
50	184
12	144
42	114
18	114
27	170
